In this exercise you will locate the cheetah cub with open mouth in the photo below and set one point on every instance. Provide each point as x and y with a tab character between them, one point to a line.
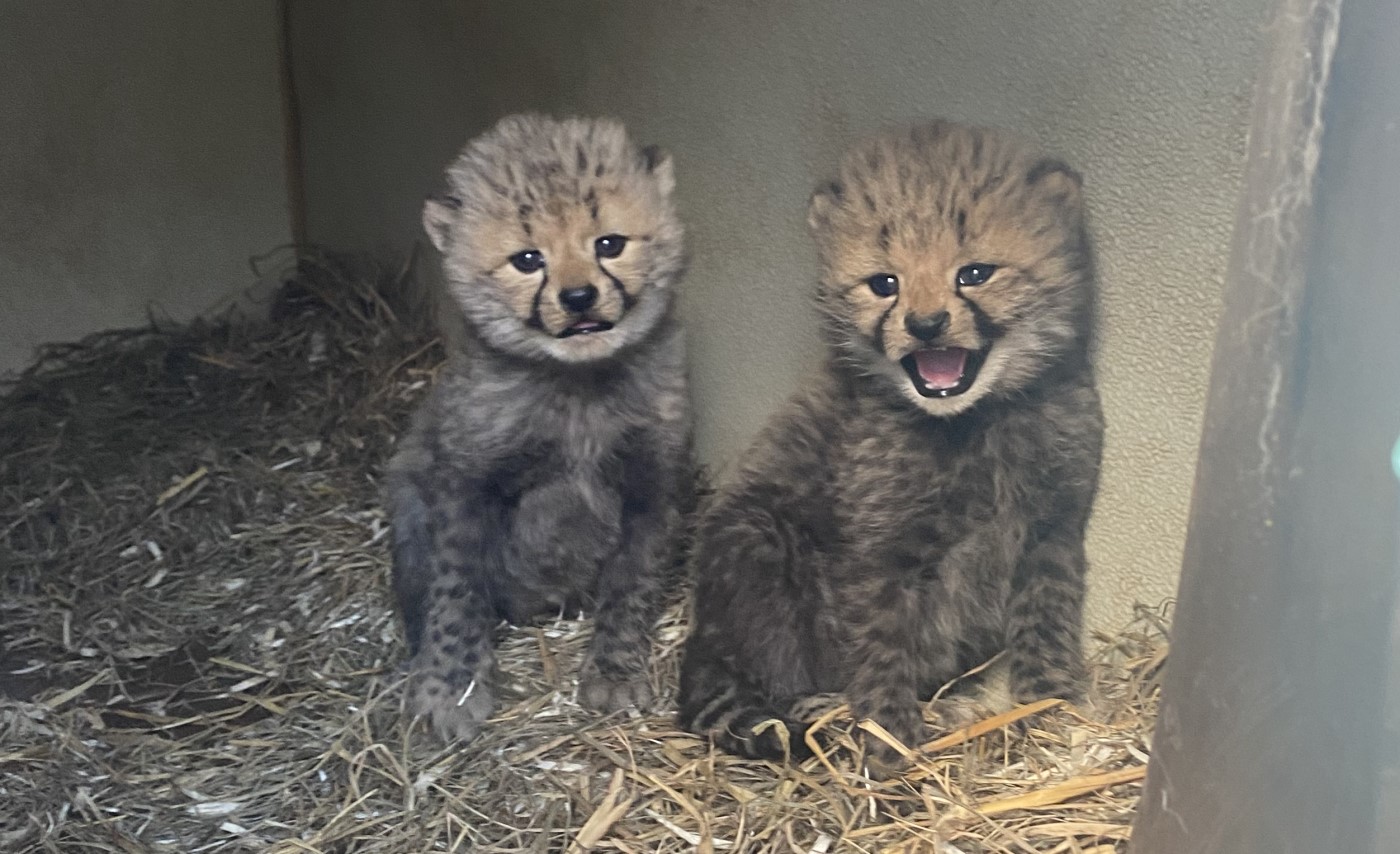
548	470
920	504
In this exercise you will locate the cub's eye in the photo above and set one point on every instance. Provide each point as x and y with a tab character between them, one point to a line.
975	274
609	245
529	261
883	284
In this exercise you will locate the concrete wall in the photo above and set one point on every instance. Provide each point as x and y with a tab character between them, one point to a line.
756	100
141	161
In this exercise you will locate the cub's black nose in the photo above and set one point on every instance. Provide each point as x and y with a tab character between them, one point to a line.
928	327
578	299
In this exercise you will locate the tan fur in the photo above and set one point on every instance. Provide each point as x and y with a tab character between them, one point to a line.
519	191
564	231
914	189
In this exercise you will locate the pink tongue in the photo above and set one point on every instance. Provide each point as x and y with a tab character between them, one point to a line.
941	368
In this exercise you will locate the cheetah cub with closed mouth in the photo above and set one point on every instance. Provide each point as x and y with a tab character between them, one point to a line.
920	504
549	467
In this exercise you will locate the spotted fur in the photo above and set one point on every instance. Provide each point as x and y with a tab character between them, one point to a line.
878	540
548	471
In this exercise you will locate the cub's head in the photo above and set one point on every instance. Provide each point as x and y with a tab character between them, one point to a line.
559	238
954	263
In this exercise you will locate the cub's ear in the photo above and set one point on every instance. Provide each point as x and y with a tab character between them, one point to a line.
827	198
657	162
439	212
1055	179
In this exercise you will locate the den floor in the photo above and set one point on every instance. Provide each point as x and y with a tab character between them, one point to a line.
197	649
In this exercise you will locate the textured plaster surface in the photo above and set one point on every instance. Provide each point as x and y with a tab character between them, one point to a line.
141	162
756	100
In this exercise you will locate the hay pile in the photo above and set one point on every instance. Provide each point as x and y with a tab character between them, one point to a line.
198	652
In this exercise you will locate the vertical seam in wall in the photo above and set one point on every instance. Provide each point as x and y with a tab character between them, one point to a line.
293	163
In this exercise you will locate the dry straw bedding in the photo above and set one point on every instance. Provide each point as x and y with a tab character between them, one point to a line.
198	650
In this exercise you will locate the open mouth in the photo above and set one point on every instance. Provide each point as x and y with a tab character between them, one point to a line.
585	327
943	371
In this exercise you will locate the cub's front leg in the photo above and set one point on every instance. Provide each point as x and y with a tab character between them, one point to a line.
439	579
450	682
629	592
1044	640
884	626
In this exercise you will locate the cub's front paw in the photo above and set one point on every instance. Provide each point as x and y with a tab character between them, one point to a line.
454	713
955	713
1069	689
883	760
604	694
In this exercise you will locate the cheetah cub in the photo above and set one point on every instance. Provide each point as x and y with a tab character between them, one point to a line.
920	504
548	470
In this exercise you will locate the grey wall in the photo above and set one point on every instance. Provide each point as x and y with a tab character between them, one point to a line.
756	100
141	161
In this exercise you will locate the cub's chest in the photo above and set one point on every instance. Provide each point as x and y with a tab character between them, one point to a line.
590	432
576	431
943	476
